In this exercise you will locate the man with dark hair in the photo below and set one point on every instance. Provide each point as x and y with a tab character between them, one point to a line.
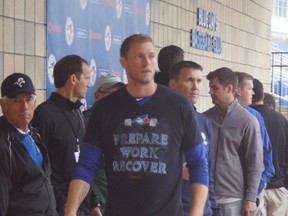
143	129
167	57
275	195
25	185
67	66
61	125
186	78
244	94
269	100
239	151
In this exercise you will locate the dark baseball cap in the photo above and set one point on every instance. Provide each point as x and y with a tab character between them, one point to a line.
15	84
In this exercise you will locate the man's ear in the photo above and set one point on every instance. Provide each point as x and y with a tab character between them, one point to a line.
123	62
97	95
229	88
2	104
172	84
73	79
237	92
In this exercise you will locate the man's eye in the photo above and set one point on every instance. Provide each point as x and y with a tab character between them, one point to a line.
29	100
16	100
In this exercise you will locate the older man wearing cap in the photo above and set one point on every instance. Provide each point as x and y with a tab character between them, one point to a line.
25	170
105	85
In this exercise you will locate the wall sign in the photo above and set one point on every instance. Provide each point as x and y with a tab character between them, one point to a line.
203	40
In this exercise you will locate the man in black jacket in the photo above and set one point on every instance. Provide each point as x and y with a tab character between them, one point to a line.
276	195
25	187
61	125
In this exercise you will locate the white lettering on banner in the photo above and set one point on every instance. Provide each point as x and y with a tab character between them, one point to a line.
204	40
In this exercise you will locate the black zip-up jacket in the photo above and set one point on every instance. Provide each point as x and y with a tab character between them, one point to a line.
25	188
61	126
277	128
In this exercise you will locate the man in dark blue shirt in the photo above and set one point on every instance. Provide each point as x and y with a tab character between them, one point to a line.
143	130
186	78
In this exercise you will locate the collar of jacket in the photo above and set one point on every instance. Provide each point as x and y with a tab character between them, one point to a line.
64	102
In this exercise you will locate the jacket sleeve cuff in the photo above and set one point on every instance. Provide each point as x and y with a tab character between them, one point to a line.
251	197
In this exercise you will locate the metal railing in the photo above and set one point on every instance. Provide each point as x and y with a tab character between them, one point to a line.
279	80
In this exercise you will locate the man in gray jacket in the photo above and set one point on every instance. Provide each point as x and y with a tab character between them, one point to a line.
238	146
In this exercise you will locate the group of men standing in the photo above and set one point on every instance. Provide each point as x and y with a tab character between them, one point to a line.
159	154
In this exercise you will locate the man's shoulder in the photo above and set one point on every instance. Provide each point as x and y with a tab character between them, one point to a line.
242	113
162	78
4	146
269	113
46	106
5	127
210	112
166	93
116	98
46	112
3	131
202	118
253	111
7	133
278	114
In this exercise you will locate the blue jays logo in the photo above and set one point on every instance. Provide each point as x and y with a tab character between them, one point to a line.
141	120
118	8
93	72
50	66
108	38
69	31
83	4
147	14
20	81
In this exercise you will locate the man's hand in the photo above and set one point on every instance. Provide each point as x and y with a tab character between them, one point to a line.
95	212
70	212
248	208
185	173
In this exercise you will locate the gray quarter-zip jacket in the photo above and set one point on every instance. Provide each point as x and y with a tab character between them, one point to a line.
239	152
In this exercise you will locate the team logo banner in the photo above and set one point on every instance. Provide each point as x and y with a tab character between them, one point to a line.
93	29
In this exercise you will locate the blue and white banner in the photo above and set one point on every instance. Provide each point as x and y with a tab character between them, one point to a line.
93	29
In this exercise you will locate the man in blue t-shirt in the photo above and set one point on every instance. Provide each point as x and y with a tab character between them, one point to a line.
186	78
143	130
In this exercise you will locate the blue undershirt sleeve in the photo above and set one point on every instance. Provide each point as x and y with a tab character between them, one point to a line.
197	164
88	164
